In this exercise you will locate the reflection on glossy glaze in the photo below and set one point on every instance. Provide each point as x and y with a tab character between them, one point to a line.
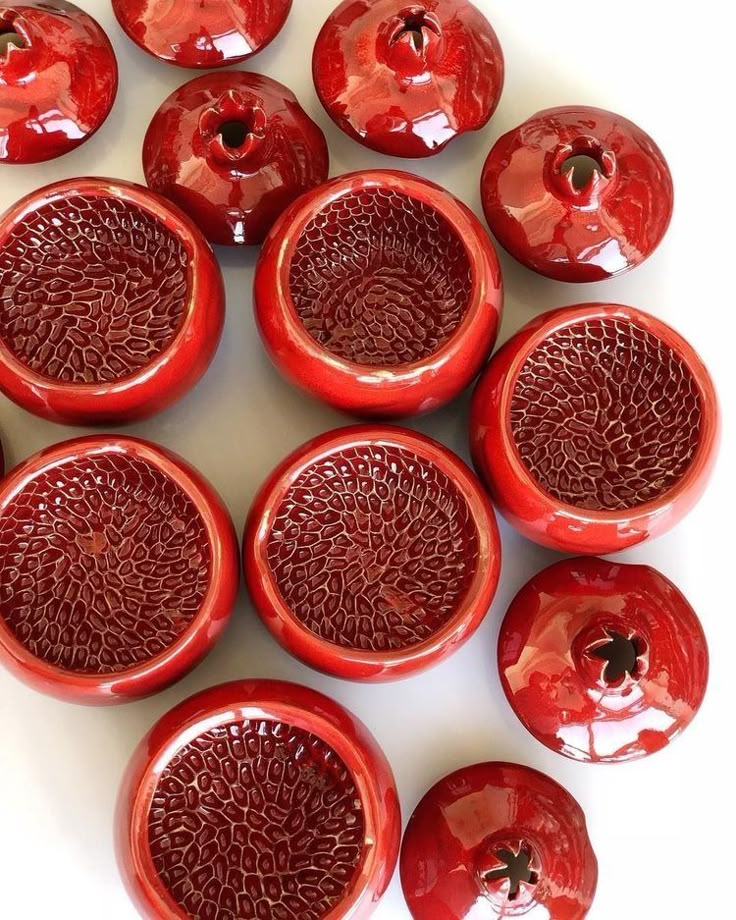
58	79
498	840
603	662
405	79
539	211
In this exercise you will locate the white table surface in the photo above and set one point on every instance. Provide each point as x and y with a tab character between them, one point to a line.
663	827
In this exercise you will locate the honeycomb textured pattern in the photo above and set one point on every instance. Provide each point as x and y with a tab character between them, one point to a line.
92	289
606	416
373	548
380	279
256	820
104	562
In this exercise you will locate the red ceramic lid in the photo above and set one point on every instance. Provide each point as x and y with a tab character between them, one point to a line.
58	79
379	293
595	428
405	79
233	150
603	662
577	194
118	569
192	33
258	799
111	302
372	553
498	840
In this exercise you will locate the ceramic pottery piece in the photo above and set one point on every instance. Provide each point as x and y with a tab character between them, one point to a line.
233	150
372	553
118	566
199	35
58	79
406	79
111	302
379	293
498	840
258	799
595	428
603	662
577	194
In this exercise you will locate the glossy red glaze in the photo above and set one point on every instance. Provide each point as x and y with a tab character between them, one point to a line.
407	78
571	224
111	302
603	662
119	569
233	150
595	428
58	79
498	840
379	293
372	553
192	33
291	809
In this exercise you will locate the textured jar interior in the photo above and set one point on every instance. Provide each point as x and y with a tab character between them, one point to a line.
104	563
379	278
605	415
92	289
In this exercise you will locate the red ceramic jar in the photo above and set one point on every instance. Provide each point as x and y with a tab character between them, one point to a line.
603	662
233	150
379	293
372	553
195	34
498	840
405	79
595	428
118	566
577	194
58	79
111	302
258	799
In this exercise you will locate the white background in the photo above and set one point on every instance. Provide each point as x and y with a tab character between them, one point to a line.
663	827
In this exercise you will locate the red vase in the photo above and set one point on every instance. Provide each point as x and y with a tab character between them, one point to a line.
603	662
595	428
498	840
195	34
58	79
119	569
111	302
233	150
404	79
258	799
577	194
379	293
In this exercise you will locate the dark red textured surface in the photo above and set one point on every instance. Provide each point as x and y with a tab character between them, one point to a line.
475	822
405	79
233	150
58	80
555	658
570	231
196	34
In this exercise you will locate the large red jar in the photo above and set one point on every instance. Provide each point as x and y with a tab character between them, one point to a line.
372	553
111	302
595	427
602	662
58	79
118	569
498	840
258	799
379	293
406	79
233	150
577	194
